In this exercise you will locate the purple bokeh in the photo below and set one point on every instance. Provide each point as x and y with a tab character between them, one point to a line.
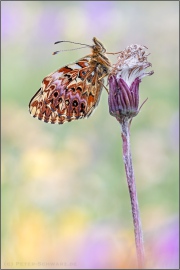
174	132
11	19
96	250
49	26
166	247
99	16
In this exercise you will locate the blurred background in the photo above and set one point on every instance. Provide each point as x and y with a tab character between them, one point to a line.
65	201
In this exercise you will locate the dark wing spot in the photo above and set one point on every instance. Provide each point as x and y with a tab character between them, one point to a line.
52	87
74	111
79	88
82	74
89	79
105	70
82	108
65	69
55	94
67	102
68	76
75	103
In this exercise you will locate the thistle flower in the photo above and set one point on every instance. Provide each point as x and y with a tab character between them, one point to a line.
124	82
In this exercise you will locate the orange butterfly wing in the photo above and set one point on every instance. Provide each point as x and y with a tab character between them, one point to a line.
70	93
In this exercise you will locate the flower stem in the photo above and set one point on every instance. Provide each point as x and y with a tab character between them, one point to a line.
125	125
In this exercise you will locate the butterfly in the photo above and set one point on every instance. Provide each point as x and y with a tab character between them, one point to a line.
73	91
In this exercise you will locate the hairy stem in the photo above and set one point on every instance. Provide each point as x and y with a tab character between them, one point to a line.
132	191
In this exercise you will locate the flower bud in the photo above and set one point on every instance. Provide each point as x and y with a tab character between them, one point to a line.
124	82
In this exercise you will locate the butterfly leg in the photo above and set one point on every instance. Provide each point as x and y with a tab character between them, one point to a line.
102	83
105	87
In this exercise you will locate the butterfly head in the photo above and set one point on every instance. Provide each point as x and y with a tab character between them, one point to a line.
99	53
98	47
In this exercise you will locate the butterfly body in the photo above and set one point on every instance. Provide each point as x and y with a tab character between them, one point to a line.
73	91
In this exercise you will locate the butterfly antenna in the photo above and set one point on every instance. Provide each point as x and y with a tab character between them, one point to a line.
56	52
72	42
112	53
70	49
